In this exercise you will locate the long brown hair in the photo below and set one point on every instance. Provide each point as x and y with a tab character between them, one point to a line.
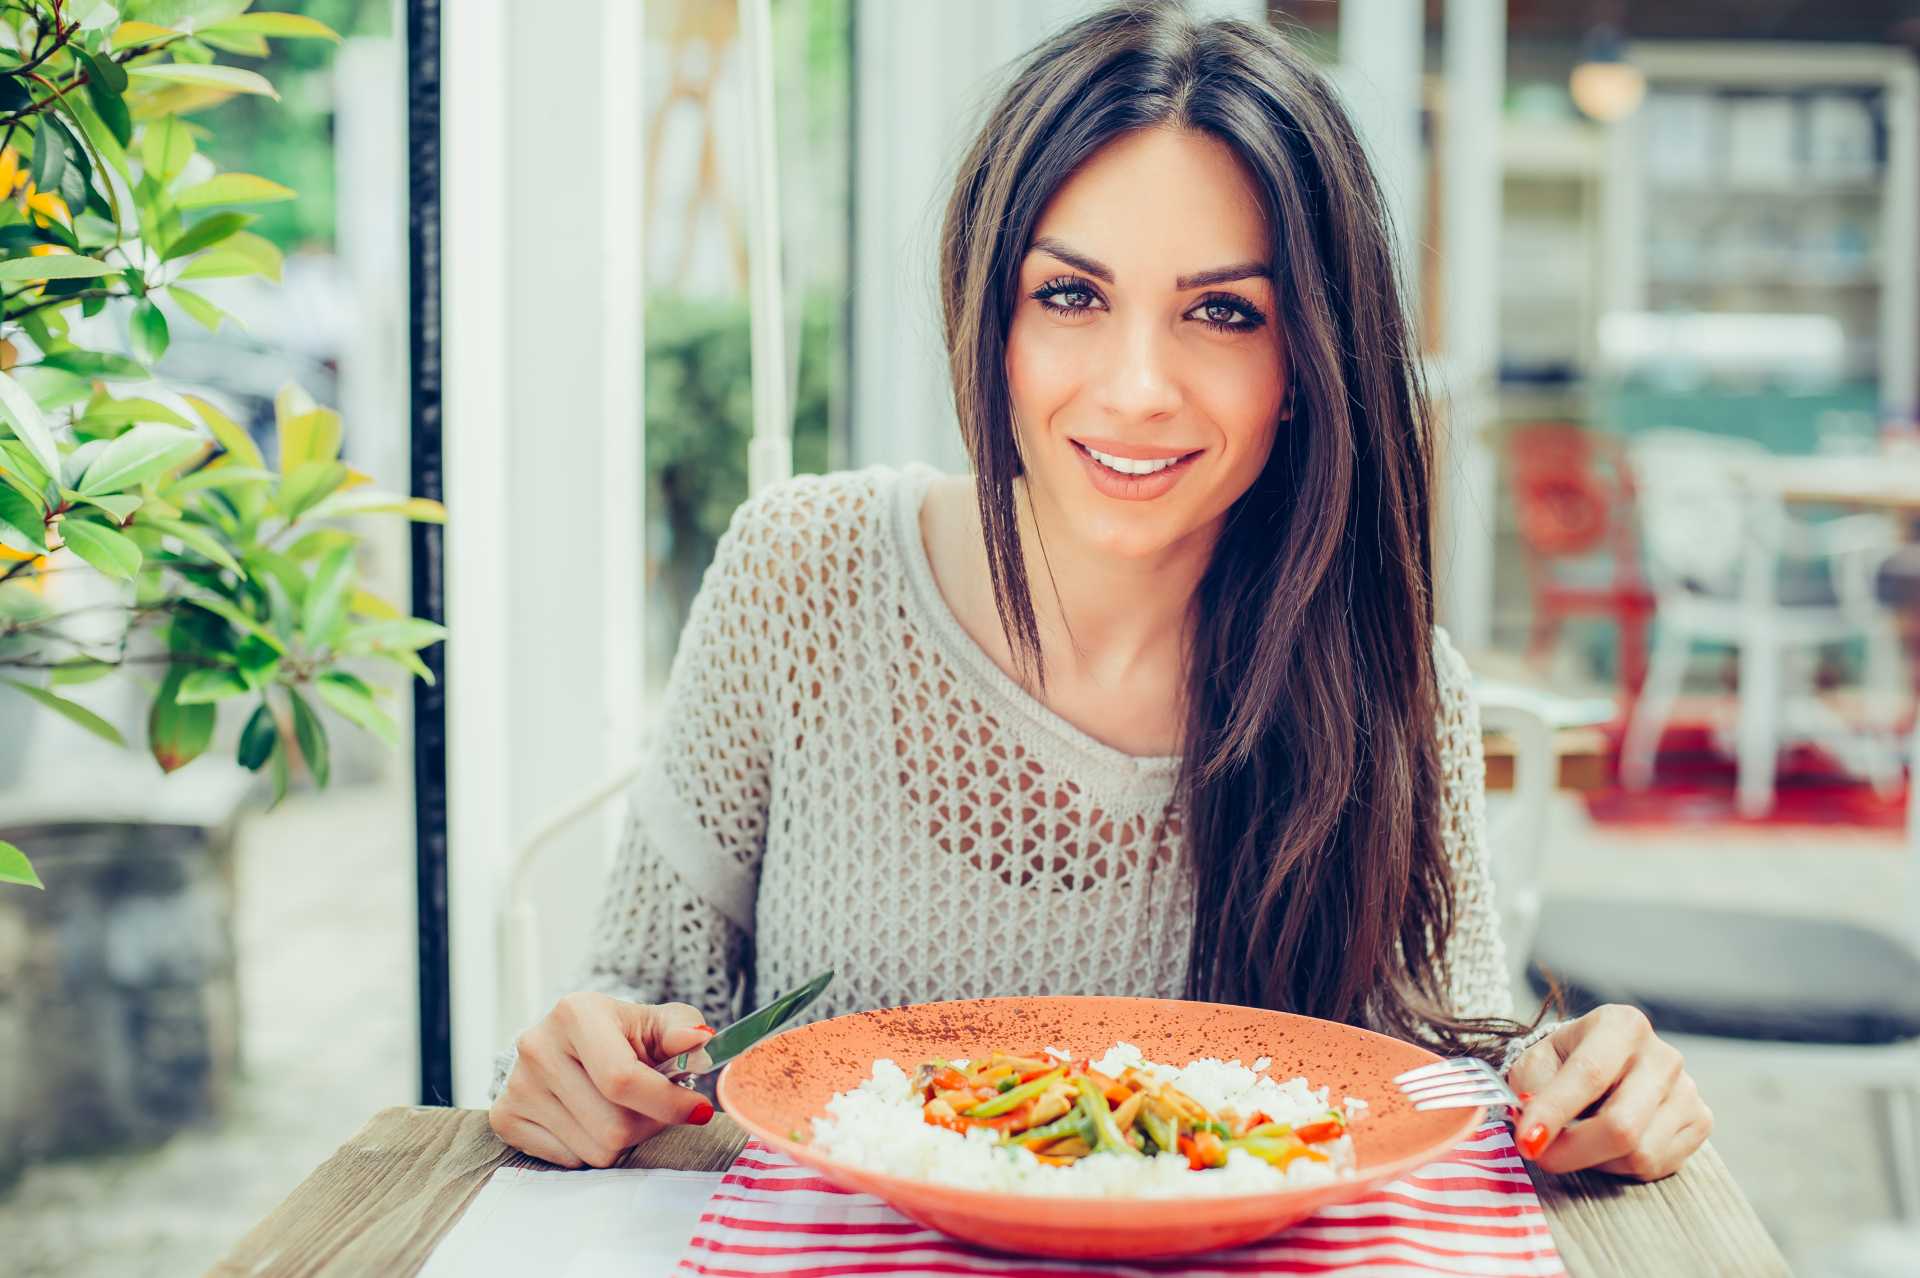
1310	777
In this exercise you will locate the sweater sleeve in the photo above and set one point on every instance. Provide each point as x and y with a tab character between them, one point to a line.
1476	954
675	921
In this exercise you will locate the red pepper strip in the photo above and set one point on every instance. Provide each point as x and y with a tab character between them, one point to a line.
1118	1094
954	1124
1012	1120
950	1080
1207	1145
1259	1119
1326	1129
1192	1151
1042	1072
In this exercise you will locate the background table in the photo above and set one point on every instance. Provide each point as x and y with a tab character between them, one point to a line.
381	1203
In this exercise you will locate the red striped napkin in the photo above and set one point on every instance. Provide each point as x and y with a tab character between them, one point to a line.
1472	1213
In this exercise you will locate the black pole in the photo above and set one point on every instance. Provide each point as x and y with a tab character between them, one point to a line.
429	581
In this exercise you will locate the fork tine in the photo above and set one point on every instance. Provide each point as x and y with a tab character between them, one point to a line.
1461	1102
1456	1065
1461	1087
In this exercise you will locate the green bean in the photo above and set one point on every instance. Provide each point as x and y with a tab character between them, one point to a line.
1107	1133
1164	1134
1006	1101
1073	1123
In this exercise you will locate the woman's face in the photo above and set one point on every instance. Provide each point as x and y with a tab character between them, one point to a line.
1146	364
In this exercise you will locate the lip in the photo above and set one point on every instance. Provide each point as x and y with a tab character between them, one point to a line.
1134	487
1132	452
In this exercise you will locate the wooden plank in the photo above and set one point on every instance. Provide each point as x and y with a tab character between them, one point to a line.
1693	1222
384	1201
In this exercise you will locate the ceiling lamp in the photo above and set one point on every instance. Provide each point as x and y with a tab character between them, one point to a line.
1605	86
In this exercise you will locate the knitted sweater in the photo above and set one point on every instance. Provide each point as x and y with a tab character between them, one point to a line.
842	778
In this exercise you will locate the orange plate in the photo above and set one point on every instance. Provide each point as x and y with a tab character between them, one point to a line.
781	1085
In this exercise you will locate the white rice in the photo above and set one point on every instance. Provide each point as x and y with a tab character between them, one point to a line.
880	1126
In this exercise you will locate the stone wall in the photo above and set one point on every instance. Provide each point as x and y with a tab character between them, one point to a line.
118	1000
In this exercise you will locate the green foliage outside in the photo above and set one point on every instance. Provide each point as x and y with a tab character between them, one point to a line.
236	575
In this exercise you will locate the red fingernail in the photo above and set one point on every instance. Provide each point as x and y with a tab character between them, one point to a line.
701	1114
707	1030
1534	1141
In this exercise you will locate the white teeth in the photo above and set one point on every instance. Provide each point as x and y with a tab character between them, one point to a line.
1129	466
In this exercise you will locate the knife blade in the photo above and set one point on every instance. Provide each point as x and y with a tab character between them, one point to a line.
743	1033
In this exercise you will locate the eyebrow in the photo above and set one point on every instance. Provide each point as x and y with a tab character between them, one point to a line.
1199	279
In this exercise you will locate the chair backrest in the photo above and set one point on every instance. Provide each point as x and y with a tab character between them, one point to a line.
1516	840
1696	516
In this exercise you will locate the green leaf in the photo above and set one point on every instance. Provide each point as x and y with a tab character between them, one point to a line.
98	131
20	471
318	542
165	147
229	432
102	365
107	412
27	421
307	433
76	175
277	768
218	476
368	501
147	328
252	46
326	596
206	313
227	79
120	505
71	710
214	683
113	553
281	26
22	526
195	538
233	188
205	233
257	663
80	670
49	157
306	485
406	634
261	562
312	736
104	71
16	869
147	450
242	253
233	616
178	734
409	662
54	266
104	94
350	698
258	738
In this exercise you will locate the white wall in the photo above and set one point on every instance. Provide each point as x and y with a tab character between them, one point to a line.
541	314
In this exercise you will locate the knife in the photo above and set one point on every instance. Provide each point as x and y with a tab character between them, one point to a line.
743	1033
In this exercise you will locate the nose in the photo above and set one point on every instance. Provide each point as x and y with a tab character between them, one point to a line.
1138	380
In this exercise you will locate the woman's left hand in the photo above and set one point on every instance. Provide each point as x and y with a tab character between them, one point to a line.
1647	1113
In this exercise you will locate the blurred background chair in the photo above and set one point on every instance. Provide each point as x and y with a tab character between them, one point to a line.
1517	821
1818	1003
1573	500
1730	567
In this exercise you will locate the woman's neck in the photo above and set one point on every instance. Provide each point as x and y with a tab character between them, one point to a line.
1108	620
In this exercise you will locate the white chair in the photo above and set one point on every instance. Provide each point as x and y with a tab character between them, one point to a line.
1720	555
1517	821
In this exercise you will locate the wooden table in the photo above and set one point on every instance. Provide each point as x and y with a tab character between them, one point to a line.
381	1203
1867	482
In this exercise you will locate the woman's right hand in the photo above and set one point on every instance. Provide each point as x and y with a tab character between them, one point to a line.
584	1088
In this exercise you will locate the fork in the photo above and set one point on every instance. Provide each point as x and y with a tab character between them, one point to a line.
1463	1082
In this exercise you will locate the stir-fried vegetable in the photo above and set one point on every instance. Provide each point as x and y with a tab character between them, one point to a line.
1063	1111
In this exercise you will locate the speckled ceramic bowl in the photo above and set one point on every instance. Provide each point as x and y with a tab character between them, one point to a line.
781	1085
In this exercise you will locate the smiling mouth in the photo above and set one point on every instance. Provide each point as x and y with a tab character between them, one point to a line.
1134	467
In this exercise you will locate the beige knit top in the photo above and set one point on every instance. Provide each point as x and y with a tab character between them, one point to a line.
842	778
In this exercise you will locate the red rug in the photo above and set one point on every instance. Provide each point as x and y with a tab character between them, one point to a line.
1693	785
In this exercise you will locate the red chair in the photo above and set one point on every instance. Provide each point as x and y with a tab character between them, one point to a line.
1574	497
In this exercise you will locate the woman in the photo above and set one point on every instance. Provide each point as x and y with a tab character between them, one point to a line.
1152	703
